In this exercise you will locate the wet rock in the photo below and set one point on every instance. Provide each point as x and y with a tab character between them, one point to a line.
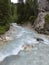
0	39
39	39
27	47
8	38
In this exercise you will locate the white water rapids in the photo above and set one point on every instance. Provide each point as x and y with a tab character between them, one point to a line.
20	37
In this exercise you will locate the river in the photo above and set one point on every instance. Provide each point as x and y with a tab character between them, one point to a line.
12	53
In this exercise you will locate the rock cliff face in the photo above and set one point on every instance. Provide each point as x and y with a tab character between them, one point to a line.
43	4
40	25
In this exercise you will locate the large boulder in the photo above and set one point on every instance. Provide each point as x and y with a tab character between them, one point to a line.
40	25
27	47
43	4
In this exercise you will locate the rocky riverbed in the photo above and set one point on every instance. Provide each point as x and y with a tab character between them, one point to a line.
24	46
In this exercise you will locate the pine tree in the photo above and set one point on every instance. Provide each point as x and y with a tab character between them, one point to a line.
5	11
27	11
20	11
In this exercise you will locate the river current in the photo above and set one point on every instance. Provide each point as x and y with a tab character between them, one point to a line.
12	53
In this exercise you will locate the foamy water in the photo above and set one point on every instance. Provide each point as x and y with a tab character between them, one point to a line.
21	36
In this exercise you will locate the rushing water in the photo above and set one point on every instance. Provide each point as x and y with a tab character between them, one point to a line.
11	52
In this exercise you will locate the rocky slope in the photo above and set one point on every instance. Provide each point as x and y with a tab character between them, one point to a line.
40	25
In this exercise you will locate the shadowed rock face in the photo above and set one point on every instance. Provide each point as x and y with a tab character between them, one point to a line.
43	4
40	25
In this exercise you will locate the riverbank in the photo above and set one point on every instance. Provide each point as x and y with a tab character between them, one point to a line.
23	39
41	24
9	35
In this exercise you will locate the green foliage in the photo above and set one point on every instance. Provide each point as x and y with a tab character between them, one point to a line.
19	12
35	7
3	29
27	11
14	12
5	13
32	19
47	18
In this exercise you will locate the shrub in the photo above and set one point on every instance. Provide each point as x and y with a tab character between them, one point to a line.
47	18
32	19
